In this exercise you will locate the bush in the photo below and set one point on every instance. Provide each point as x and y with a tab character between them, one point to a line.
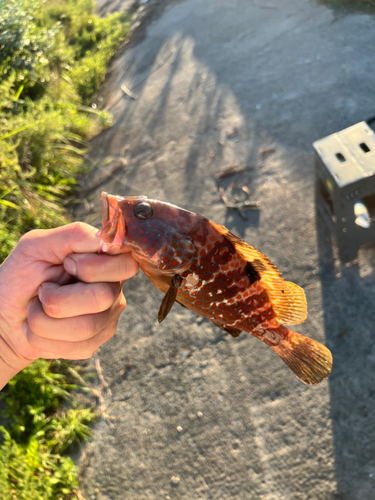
32	473
24	44
60	51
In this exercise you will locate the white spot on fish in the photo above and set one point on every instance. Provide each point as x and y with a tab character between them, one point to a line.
191	281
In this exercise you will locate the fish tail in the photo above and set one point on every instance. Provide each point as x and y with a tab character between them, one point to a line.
309	360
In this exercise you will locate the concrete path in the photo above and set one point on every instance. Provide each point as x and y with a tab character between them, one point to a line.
197	414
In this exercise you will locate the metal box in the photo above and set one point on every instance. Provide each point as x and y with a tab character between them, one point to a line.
345	186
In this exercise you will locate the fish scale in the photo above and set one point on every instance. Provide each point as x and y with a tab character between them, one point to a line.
225	296
209	270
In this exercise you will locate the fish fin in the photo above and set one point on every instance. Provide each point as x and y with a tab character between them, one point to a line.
309	360
289	302
169	297
235	332
288	299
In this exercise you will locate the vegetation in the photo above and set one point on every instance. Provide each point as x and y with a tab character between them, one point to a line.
40	429
53	57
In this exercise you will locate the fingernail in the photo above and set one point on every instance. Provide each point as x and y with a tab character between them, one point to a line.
40	293
70	266
25	326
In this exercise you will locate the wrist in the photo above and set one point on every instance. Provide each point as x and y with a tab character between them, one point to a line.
9	367
6	374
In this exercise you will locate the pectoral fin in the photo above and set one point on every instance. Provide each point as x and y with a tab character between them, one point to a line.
169	297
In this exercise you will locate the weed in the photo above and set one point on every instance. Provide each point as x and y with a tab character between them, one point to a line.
40	428
53	57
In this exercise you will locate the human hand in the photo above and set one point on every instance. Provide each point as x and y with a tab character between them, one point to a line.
42	314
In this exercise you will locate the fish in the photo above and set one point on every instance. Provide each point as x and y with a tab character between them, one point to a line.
209	270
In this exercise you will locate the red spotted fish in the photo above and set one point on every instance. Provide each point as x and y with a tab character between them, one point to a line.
209	270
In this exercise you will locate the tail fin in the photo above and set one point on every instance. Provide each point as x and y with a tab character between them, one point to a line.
310	361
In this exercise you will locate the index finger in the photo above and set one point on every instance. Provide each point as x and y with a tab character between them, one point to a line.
53	245
93	268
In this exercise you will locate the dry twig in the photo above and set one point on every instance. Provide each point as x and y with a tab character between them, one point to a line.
233	170
105	386
128	92
266	151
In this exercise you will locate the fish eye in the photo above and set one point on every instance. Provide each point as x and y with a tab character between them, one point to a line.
143	211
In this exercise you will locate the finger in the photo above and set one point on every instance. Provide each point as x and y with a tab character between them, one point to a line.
54	349
53	245
24	285
73	329
77	299
93	268
37	258
57	274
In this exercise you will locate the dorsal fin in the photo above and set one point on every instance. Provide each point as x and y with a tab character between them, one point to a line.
288	300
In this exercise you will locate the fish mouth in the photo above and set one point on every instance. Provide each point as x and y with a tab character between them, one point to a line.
114	227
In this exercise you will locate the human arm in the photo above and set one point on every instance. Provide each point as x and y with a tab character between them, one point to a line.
42	314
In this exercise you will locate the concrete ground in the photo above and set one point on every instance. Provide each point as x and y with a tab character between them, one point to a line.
195	413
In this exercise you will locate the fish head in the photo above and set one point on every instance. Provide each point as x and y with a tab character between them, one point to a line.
157	233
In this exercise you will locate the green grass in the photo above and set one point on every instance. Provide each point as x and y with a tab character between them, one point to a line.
53	57
351	5
40	429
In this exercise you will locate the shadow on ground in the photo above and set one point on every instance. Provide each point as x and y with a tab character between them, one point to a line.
348	303
352	6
